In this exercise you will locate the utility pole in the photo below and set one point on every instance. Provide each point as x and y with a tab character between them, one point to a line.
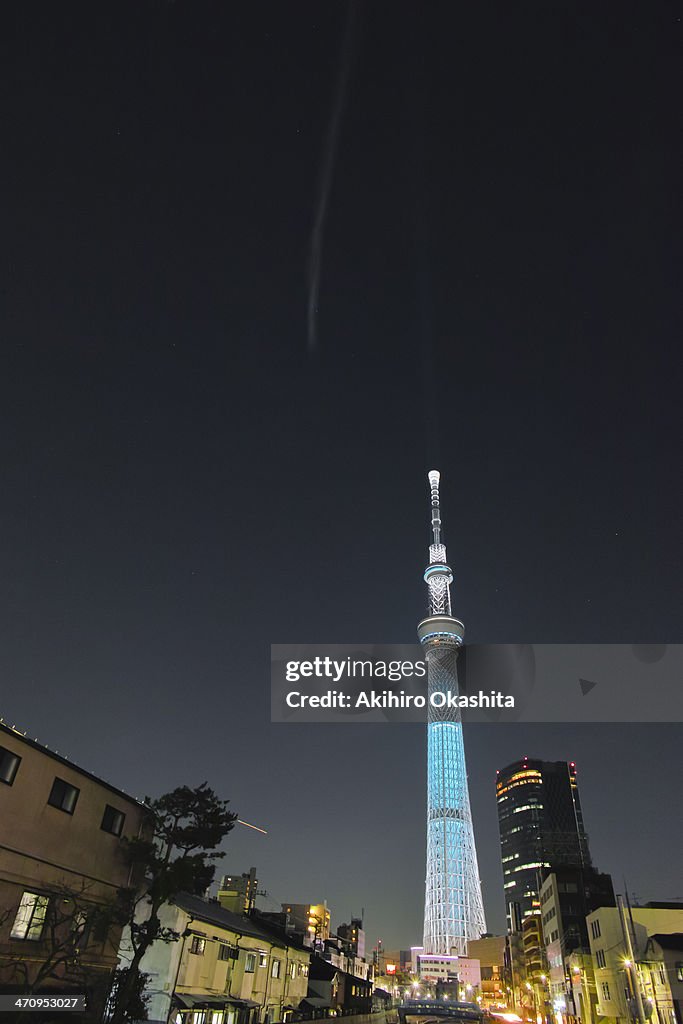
630	962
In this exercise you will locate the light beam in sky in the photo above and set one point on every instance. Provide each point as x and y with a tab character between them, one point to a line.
255	827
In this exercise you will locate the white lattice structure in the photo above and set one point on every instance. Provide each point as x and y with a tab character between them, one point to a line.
454	911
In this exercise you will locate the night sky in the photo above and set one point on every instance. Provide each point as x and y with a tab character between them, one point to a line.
184	482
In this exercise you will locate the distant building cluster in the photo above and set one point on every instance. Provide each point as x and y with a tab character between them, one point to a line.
576	953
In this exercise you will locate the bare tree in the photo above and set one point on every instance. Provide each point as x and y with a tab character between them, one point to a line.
77	930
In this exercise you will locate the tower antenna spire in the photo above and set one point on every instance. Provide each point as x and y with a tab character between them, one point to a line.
438	575
434	477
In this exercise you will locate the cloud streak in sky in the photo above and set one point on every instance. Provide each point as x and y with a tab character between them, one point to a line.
326	173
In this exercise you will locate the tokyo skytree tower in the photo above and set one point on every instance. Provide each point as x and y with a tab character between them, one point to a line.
454	911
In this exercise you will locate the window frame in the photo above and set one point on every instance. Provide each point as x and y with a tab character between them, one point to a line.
115	811
41	901
250	958
52	802
13	760
198	945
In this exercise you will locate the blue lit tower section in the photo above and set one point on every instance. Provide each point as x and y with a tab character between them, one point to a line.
454	911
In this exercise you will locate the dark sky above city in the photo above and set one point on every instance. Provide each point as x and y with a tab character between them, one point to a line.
185	482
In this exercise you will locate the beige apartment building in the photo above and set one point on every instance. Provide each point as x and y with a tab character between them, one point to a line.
661	975
615	976
226	968
61	856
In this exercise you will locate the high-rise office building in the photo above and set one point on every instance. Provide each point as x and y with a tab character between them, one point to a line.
454	912
541	826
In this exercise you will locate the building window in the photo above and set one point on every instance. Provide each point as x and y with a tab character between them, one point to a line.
250	965
292	971
600	957
198	945
605	990
63	795
9	763
595	929
224	951
679	971
262	959
112	820
30	919
275	973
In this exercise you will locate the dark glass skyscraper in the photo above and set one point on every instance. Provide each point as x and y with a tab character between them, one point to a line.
541	826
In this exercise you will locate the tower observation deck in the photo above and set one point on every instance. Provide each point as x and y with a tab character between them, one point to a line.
454	912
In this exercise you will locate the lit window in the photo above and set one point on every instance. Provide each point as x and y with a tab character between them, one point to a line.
30	919
250	964
292	971
198	945
112	820
679	972
275	973
63	795
9	762
262	959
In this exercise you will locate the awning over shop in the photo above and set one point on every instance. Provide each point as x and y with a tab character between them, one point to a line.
198	1001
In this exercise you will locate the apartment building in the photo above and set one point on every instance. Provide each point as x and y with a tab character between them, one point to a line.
62	860
226	968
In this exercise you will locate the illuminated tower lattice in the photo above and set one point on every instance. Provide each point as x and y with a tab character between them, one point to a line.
454	911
